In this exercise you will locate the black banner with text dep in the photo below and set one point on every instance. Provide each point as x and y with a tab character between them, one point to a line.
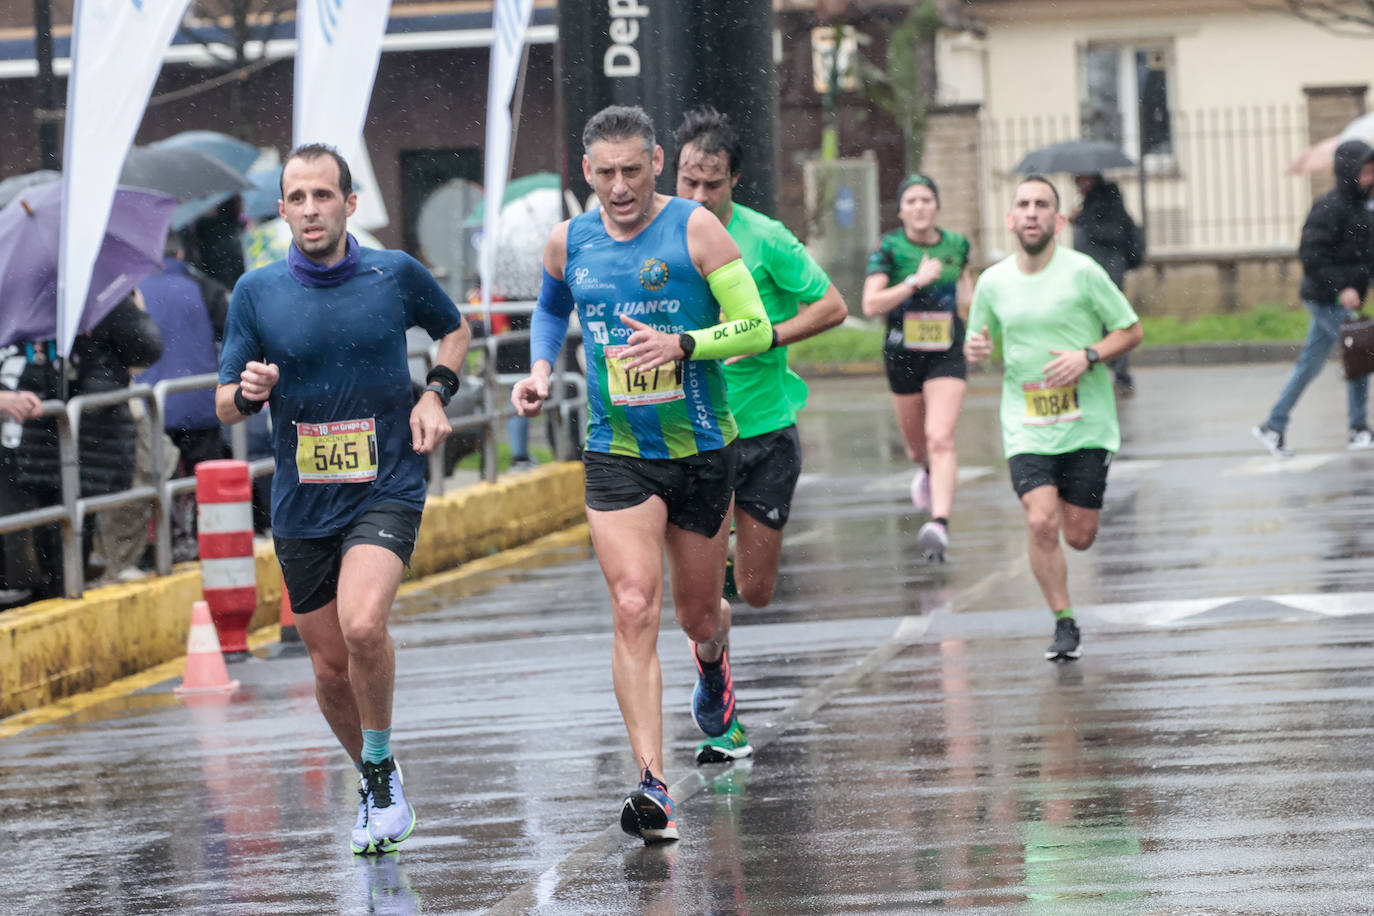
668	56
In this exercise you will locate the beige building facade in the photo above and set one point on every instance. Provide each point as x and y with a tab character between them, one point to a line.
1215	93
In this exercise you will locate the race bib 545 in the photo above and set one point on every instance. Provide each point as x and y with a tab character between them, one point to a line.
341	452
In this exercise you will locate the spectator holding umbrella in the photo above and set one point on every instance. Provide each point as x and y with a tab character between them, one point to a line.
1105	232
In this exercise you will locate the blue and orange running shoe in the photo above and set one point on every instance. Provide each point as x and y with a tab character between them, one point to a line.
713	700
647	812
390	819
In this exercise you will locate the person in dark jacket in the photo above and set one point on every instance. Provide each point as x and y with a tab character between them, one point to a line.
1105	232
100	361
213	243
189	309
1335	255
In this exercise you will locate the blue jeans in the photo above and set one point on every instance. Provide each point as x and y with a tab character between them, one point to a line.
1321	335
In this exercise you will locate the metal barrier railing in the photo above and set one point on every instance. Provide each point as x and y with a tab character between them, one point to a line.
71	513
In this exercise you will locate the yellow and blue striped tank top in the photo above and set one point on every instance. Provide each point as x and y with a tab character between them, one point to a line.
678	409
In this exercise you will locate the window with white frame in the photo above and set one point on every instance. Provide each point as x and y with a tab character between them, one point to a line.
1124	96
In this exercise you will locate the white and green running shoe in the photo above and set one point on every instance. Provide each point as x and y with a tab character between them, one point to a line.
360	842
733	745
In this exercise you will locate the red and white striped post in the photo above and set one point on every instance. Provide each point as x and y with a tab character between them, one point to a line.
224	498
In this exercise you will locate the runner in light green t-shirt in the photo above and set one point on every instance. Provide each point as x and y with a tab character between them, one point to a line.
764	394
1062	307
1047	307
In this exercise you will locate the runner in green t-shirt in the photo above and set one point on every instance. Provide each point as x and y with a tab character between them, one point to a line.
764	394
1048	306
919	279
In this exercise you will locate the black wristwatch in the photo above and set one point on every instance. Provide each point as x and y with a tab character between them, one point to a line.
1093	358
441	391
244	406
688	343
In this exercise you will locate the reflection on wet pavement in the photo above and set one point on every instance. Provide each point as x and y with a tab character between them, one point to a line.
1209	754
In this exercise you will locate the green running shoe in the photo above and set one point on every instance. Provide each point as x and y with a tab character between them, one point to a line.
733	745
731	590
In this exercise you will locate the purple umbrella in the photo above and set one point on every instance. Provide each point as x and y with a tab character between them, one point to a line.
29	229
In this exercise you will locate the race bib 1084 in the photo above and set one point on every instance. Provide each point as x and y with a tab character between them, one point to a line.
631	387
341	452
1046	405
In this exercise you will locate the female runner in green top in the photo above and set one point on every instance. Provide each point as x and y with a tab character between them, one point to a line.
919	279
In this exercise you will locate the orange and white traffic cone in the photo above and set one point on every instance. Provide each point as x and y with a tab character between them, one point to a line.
205	670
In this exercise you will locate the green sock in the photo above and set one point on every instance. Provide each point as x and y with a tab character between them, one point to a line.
376	745
1061	615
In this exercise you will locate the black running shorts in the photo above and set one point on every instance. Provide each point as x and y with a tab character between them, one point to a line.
697	488
908	370
310	566
769	465
1081	476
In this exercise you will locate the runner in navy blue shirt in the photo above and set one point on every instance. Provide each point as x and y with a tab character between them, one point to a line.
321	336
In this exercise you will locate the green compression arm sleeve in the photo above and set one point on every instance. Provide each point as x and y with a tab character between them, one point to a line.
746	330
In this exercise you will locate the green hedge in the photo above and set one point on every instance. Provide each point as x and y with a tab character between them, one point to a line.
1272	321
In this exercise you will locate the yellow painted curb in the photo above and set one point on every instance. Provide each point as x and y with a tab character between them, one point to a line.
472	578
55	649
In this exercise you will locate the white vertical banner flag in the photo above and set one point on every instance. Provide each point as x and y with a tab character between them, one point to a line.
338	45
509	20
117	50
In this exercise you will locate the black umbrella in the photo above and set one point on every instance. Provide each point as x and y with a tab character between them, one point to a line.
182	173
1075	157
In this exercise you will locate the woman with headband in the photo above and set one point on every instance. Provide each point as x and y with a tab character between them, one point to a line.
919	279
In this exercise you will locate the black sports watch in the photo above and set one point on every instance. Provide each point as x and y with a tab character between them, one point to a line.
441	391
1093	358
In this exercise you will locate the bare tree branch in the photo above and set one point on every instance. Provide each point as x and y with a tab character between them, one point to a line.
1351	18
241	23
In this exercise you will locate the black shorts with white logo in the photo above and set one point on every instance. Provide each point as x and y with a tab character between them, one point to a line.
310	566
769	465
697	489
1081	476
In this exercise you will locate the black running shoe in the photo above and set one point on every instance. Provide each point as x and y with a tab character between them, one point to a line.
1065	643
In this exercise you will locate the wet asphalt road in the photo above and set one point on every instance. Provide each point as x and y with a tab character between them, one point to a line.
1209	754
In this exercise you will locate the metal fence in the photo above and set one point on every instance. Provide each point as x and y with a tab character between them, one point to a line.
567	404
1222	186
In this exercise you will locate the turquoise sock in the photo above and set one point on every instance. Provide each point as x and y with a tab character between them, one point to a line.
376	745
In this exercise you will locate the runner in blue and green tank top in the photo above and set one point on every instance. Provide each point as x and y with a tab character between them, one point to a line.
765	395
1047	307
649	276
918	278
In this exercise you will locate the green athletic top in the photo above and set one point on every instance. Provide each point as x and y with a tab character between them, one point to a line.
764	394
1063	307
899	257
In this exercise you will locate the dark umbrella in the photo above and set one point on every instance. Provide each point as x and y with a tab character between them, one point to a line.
29	231
1075	157
181	173
233	152
10	187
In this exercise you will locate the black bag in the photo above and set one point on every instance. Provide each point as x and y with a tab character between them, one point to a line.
1135	254
1357	347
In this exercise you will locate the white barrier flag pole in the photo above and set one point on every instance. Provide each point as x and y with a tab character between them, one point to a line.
509	20
338	46
117	50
